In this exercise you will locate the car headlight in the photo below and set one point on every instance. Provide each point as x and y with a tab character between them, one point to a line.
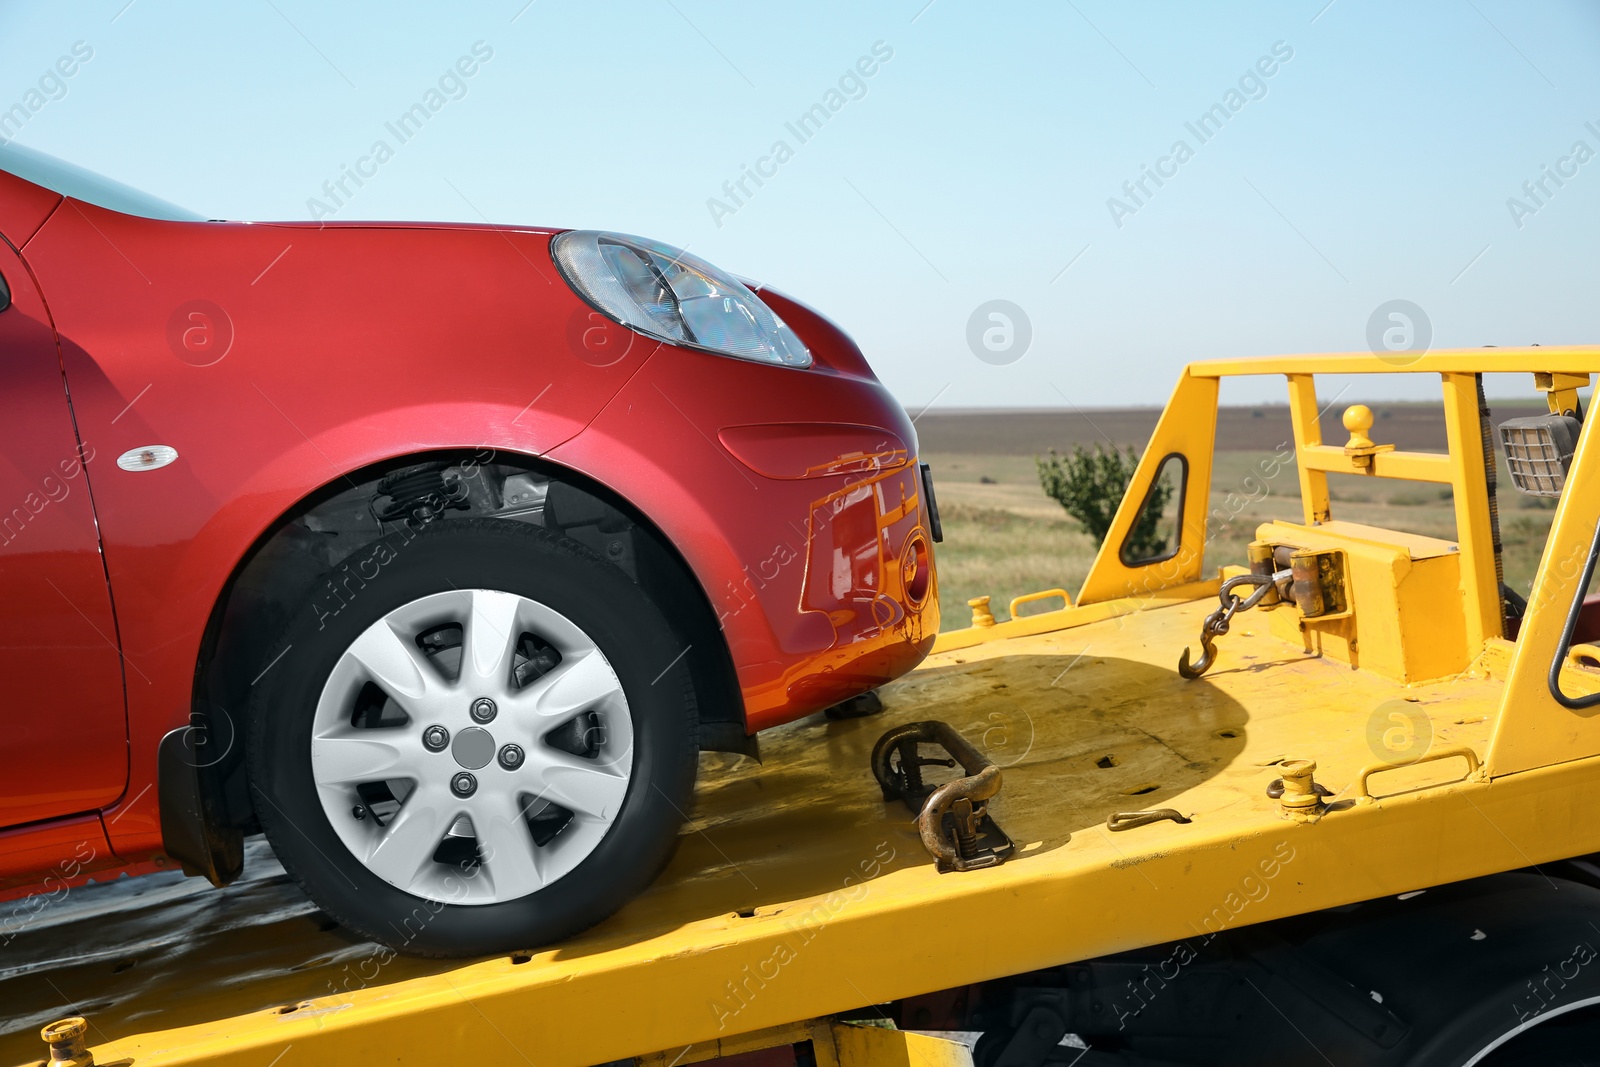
670	295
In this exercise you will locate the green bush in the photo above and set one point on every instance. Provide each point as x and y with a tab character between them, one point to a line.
1090	486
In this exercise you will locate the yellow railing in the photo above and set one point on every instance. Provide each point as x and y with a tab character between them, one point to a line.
1533	728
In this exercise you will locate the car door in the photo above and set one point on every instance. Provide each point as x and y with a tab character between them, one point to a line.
63	727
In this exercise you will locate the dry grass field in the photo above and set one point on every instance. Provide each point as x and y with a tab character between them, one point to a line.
1004	537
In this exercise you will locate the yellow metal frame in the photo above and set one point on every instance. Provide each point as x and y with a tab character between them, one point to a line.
1533	729
1188	427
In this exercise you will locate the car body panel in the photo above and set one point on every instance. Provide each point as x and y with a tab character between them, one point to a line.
798	645
453	314
60	852
63	732
23	208
794	450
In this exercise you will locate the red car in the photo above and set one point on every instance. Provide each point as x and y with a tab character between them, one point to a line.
435	552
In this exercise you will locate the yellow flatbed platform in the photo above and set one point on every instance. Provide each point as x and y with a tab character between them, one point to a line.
797	891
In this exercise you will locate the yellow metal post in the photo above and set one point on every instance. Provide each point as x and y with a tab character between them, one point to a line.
833	1044
1308	434
742	1044
874	1046
1480	584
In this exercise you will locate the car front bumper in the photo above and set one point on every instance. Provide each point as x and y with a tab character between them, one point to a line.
796	498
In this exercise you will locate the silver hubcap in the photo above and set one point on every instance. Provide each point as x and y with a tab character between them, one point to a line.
511	800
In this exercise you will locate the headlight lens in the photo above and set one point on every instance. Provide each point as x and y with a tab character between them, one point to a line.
668	294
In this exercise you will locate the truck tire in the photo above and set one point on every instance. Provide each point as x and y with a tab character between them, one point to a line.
1564	1036
479	737
1491	972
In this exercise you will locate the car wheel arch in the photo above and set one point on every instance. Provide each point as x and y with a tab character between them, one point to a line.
276	569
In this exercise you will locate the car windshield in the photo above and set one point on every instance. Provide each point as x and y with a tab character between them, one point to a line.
69	179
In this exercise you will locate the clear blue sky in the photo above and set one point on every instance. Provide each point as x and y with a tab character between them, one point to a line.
976	163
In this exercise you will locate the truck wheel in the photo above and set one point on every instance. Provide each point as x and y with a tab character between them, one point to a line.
1559	1038
480	737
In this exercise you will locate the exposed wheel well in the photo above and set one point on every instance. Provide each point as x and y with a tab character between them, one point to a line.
306	555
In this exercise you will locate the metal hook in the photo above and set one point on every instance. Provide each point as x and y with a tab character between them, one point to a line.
1217	622
1128	820
1204	663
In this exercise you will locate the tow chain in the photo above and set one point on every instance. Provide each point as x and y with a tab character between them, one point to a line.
1216	623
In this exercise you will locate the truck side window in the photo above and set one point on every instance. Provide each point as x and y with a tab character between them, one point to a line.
1580	638
1155	534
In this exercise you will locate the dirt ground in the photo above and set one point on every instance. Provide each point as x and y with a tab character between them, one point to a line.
1411	426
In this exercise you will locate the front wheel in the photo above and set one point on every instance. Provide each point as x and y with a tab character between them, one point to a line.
479	737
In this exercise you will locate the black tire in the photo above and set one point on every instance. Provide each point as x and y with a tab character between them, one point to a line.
1562	1040
468	554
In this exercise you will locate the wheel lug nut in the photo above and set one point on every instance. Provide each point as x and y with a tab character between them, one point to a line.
435	738
511	757
483	710
463	785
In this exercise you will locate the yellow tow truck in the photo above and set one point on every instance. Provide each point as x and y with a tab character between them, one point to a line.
1332	804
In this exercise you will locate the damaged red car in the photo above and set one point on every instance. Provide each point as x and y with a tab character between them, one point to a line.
434	552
